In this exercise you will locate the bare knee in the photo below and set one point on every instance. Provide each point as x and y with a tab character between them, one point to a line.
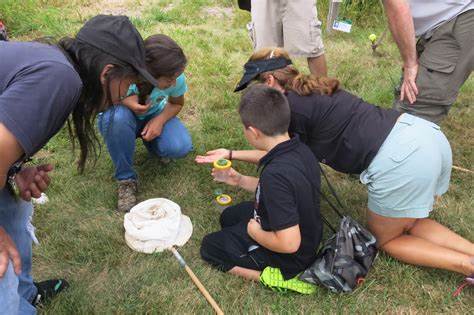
386	229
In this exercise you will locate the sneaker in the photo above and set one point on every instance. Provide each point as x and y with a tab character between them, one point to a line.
273	279
47	290
127	190
468	281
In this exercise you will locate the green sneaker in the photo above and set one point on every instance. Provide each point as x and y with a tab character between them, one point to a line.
273	279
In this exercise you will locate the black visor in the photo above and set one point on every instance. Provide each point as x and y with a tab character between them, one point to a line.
254	67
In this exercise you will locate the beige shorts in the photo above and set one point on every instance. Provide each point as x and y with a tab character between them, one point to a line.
292	24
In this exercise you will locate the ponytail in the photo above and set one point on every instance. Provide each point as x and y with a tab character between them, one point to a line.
291	79
304	84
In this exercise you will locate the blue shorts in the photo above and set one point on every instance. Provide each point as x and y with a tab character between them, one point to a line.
412	166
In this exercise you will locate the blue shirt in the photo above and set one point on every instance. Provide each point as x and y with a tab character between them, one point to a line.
159	98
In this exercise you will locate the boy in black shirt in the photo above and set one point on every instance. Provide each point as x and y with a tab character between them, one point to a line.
282	228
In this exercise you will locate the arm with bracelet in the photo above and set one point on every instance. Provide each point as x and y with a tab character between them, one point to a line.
251	156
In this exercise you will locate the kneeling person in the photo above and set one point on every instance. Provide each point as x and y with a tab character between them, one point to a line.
282	228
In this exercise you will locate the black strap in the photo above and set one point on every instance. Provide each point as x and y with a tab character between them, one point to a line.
333	191
327	223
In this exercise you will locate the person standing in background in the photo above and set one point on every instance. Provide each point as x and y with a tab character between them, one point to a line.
437	65
292	25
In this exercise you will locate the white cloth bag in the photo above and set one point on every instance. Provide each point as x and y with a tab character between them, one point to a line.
155	225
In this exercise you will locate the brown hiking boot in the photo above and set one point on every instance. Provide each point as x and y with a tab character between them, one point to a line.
127	190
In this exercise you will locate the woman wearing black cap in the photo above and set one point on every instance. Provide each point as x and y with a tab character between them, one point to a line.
40	87
405	161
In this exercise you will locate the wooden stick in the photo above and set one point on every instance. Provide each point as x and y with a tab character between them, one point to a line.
462	169
196	281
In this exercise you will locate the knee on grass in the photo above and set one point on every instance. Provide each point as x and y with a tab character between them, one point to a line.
210	249
386	229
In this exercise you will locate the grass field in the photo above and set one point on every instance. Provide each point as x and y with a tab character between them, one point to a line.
82	236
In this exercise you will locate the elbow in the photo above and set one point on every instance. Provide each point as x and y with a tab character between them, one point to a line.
291	247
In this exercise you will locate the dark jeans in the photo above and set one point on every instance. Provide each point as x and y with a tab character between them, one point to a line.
232	246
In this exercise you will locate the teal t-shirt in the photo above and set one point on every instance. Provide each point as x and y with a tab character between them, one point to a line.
159	98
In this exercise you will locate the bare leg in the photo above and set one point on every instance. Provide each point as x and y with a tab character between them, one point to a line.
394	237
420	252
317	65
436	233
246	273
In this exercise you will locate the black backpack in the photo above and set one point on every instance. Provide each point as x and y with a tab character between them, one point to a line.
345	258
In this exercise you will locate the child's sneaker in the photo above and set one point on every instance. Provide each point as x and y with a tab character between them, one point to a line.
272	278
48	289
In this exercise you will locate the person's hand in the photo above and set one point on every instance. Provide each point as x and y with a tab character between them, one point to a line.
253	227
230	177
409	90
8	251
132	103
212	156
152	129
32	181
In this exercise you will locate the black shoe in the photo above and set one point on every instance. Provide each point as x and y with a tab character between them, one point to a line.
48	289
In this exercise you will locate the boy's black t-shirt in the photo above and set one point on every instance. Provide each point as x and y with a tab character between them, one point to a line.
342	130
286	196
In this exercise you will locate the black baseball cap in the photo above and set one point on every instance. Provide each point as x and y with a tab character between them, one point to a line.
254	67
116	36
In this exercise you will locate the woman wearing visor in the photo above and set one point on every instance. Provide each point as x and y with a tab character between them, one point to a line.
404	161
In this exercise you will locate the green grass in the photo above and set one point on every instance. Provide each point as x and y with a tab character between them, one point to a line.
82	236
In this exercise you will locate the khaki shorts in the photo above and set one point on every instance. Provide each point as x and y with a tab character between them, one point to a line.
446	59
291	24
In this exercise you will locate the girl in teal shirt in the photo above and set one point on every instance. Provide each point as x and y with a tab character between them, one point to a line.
149	114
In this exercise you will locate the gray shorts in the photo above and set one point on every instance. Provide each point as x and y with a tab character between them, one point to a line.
291	24
446	59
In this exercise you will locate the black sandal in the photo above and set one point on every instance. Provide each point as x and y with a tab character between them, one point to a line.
48	289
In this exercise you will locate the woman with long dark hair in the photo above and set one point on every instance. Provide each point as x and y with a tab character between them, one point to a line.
405	161
40	87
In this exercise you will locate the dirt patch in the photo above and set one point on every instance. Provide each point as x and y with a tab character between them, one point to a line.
118	7
218	12
169	7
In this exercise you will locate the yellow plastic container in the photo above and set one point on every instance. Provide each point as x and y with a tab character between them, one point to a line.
222	166
223	201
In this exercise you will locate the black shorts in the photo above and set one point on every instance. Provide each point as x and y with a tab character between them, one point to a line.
232	246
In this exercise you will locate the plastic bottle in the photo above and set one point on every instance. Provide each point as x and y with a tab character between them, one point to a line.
222	167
